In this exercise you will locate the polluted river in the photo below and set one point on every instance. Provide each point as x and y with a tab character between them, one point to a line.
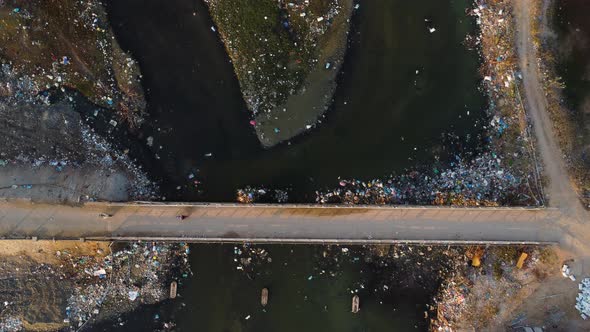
407	97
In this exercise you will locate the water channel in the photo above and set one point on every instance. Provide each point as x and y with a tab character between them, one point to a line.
401	90
303	293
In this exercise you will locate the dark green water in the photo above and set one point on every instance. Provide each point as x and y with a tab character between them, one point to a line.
393	292
573	28
385	117
573	33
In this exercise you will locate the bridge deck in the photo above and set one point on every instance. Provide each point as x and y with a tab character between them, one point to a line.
279	223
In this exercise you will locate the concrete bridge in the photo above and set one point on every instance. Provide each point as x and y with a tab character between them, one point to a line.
280	223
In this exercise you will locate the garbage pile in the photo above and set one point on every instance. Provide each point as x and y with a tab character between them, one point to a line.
38	126
483	281
451	303
11	324
505	175
481	181
583	299
104	155
508	133
251	195
18	88
140	273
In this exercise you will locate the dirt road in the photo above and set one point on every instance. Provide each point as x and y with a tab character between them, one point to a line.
560	190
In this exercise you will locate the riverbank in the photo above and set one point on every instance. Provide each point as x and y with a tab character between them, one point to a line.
490	292
505	172
64	285
378	94
48	151
70	44
286	57
49	154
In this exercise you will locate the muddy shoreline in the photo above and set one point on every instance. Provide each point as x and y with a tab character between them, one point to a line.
70	285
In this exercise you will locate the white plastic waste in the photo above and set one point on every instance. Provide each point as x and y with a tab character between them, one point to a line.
583	299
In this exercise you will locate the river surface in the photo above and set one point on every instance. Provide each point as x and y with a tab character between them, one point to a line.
573	32
303	295
402	90
573	28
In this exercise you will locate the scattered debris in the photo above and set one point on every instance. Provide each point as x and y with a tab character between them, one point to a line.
565	271
137	273
483	181
583	299
251	195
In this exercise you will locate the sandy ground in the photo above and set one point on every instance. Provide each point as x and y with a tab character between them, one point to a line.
44	251
549	303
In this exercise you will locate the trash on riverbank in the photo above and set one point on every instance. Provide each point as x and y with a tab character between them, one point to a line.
509	132
251	195
472	297
85	57
138	273
38	120
482	181
279	53
505	173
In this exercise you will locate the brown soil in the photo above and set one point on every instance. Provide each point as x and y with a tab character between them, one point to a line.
46	251
30	282
550	301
